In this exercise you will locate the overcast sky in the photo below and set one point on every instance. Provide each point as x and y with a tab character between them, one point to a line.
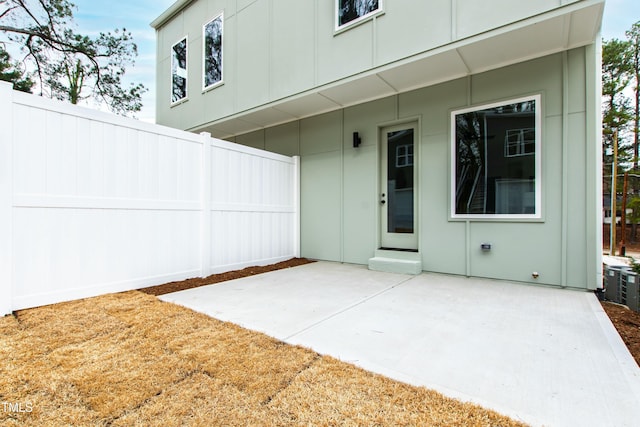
136	15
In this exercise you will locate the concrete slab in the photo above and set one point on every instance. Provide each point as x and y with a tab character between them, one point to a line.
285	302
541	355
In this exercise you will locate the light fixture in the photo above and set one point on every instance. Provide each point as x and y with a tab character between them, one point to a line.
356	140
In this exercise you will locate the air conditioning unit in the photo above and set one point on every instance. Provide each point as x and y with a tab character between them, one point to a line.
629	290
612	278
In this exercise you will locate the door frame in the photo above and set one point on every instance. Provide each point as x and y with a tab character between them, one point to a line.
415	123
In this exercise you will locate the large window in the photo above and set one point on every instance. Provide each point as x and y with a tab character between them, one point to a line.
349	12
179	71
496	160
212	61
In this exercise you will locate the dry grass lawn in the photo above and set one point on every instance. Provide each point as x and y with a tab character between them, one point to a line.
129	359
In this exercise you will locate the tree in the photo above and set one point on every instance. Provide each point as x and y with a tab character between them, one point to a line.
634	218
616	76
11	72
66	63
633	37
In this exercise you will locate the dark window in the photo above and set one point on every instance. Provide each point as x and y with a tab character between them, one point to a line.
179	71
351	11
496	159
212	35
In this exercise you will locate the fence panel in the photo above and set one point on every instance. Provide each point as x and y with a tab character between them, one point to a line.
97	203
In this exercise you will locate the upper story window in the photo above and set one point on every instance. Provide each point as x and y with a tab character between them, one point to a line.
179	71
212	50
350	12
495	160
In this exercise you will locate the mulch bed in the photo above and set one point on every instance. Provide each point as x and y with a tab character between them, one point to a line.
221	277
627	323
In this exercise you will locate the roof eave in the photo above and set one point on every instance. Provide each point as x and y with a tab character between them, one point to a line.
173	10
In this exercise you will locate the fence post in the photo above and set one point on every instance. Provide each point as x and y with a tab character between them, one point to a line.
6	198
296	206
205	214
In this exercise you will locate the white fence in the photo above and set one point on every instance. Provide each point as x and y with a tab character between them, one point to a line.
92	203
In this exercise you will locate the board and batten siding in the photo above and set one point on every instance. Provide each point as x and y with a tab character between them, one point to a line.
340	190
93	203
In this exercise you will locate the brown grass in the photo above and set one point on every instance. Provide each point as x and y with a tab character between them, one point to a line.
130	359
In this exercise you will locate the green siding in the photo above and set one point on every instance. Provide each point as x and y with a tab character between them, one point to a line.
286	49
340	188
276	49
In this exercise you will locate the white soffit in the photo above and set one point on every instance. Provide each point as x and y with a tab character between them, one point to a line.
424	72
584	26
532	41
228	128
358	90
268	116
307	105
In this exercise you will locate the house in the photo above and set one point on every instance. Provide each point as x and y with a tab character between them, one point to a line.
452	136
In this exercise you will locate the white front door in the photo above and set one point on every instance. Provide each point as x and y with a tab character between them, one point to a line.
398	187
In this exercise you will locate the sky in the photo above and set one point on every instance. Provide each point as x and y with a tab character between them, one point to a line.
94	16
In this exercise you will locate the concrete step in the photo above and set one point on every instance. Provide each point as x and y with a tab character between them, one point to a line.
403	262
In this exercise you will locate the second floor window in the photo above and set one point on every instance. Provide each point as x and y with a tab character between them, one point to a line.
179	71
212	61
351	11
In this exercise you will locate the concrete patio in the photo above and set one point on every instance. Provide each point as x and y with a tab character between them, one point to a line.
541	355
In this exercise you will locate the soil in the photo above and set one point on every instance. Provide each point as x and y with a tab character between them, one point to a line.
221	277
627	322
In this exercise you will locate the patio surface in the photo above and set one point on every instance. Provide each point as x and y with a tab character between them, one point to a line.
541	355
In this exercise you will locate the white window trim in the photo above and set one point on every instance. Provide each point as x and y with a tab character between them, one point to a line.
369	16
538	163
221	81
186	70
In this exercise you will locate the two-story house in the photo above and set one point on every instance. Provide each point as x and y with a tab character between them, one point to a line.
453	136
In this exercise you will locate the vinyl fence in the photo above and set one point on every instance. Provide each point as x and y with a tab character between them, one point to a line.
91	203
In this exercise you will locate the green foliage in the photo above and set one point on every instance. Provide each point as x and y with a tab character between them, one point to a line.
620	75
635	265
11	72
633	36
634	205
69	65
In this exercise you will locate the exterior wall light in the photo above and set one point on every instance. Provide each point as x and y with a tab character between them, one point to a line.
356	140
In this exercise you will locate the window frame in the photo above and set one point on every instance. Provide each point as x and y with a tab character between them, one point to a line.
220	82
184	39
538	186
364	18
